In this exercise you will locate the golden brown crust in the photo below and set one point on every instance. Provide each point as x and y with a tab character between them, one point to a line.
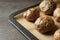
44	24
47	6
57	14
57	1
32	14
57	35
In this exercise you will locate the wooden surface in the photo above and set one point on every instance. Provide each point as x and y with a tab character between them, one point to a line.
7	31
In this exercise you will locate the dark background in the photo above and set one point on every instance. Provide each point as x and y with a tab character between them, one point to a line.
7	31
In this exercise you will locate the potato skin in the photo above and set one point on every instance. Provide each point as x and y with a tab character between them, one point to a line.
56	1
44	24
32	14
47	6
57	35
56	14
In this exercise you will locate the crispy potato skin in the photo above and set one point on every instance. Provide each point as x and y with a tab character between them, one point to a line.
32	14
57	35
44	24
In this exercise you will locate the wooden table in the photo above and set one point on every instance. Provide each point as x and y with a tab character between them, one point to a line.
7	31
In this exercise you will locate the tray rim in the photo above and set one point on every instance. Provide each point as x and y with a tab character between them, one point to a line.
19	27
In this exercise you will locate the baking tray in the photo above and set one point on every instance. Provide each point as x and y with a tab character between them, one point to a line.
28	28
28	4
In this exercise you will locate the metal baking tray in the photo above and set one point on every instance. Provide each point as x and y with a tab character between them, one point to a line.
28	4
